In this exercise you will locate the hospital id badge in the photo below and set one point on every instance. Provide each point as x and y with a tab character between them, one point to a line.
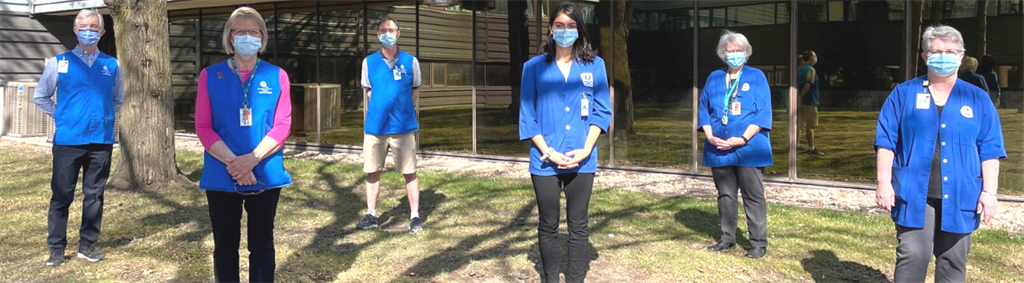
734	109
924	101
398	74
62	66
245	117
585	107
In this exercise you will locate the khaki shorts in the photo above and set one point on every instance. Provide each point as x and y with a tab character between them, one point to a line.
807	116
403	147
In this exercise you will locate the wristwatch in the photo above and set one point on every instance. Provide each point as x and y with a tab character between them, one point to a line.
745	139
547	154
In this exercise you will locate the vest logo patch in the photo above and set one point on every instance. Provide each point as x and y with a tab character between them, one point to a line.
588	79
264	89
106	72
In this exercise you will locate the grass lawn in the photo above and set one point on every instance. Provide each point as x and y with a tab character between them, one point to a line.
477	230
663	140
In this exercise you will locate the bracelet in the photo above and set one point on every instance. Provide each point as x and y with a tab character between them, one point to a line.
547	154
254	155
745	139
988	192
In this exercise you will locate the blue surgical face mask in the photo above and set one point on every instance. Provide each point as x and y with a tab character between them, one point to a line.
943	64
88	37
736	59
247	45
565	37
388	39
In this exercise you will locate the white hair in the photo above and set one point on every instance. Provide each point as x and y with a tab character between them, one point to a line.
943	32
242	13
85	14
734	38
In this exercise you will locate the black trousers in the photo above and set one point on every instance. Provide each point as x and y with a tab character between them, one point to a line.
577	201
729	180
68	161
226	217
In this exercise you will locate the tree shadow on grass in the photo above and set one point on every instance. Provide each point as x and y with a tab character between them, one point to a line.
825	266
708	224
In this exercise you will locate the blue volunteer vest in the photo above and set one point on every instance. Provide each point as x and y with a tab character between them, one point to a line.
225	91
390	109
85	101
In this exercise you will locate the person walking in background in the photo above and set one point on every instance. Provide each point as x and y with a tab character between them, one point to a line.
939	142
243	116
987	69
735	114
391	82
565	108
967	68
807	81
90	89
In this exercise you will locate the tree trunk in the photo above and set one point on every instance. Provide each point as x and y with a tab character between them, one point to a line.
917	18
146	136
518	49
982	29
622	81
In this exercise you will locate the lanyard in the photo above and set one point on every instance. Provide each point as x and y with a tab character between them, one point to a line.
731	91
925	86
248	83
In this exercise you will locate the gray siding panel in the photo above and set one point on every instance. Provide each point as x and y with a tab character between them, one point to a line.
26	41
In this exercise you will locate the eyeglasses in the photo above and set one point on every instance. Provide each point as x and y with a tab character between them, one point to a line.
249	32
951	52
383	31
736	51
89	27
251	193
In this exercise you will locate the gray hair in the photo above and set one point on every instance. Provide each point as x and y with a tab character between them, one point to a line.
242	13
734	38
943	32
85	14
969	64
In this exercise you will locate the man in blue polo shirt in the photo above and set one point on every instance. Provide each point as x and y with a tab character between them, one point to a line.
89	88
391	82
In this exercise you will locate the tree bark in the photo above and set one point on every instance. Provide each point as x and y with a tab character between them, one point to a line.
518	49
622	81
917	18
147	159
982	29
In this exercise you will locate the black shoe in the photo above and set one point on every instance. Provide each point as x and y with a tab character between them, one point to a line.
368	222
89	253
815	152
56	257
756	252
721	246
416	225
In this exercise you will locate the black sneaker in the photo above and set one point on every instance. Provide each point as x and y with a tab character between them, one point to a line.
56	257
368	222
416	225
89	253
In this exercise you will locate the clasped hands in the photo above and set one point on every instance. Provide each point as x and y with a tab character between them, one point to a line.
570	159
726	144
240	168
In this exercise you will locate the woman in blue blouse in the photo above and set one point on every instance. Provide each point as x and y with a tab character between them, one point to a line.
564	110
939	143
736	115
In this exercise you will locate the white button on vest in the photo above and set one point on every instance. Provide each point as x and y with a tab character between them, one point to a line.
945	178
943	126
945	196
567	127
943	143
567	109
944	160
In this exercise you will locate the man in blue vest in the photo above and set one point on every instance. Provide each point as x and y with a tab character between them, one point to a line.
89	87
391	82
807	112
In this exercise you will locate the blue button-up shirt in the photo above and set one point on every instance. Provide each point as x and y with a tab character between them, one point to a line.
552	107
968	132
754	108
48	82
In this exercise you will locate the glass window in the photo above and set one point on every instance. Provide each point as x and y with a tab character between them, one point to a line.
498	75
812	11
438	74
459	74
752	15
835	11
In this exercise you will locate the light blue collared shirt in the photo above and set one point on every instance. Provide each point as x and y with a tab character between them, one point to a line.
48	82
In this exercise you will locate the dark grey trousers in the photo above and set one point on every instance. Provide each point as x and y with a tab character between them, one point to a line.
917	246
729	180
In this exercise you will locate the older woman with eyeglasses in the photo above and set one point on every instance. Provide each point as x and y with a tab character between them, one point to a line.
243	115
736	114
939	143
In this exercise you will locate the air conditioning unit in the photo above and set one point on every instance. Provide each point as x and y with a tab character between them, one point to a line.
21	117
441	3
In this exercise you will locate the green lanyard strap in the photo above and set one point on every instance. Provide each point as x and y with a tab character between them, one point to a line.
248	83
731	91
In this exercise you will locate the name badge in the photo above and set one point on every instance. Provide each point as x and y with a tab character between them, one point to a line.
735	108
62	66
245	117
924	101
585	106
967	112
588	79
397	73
